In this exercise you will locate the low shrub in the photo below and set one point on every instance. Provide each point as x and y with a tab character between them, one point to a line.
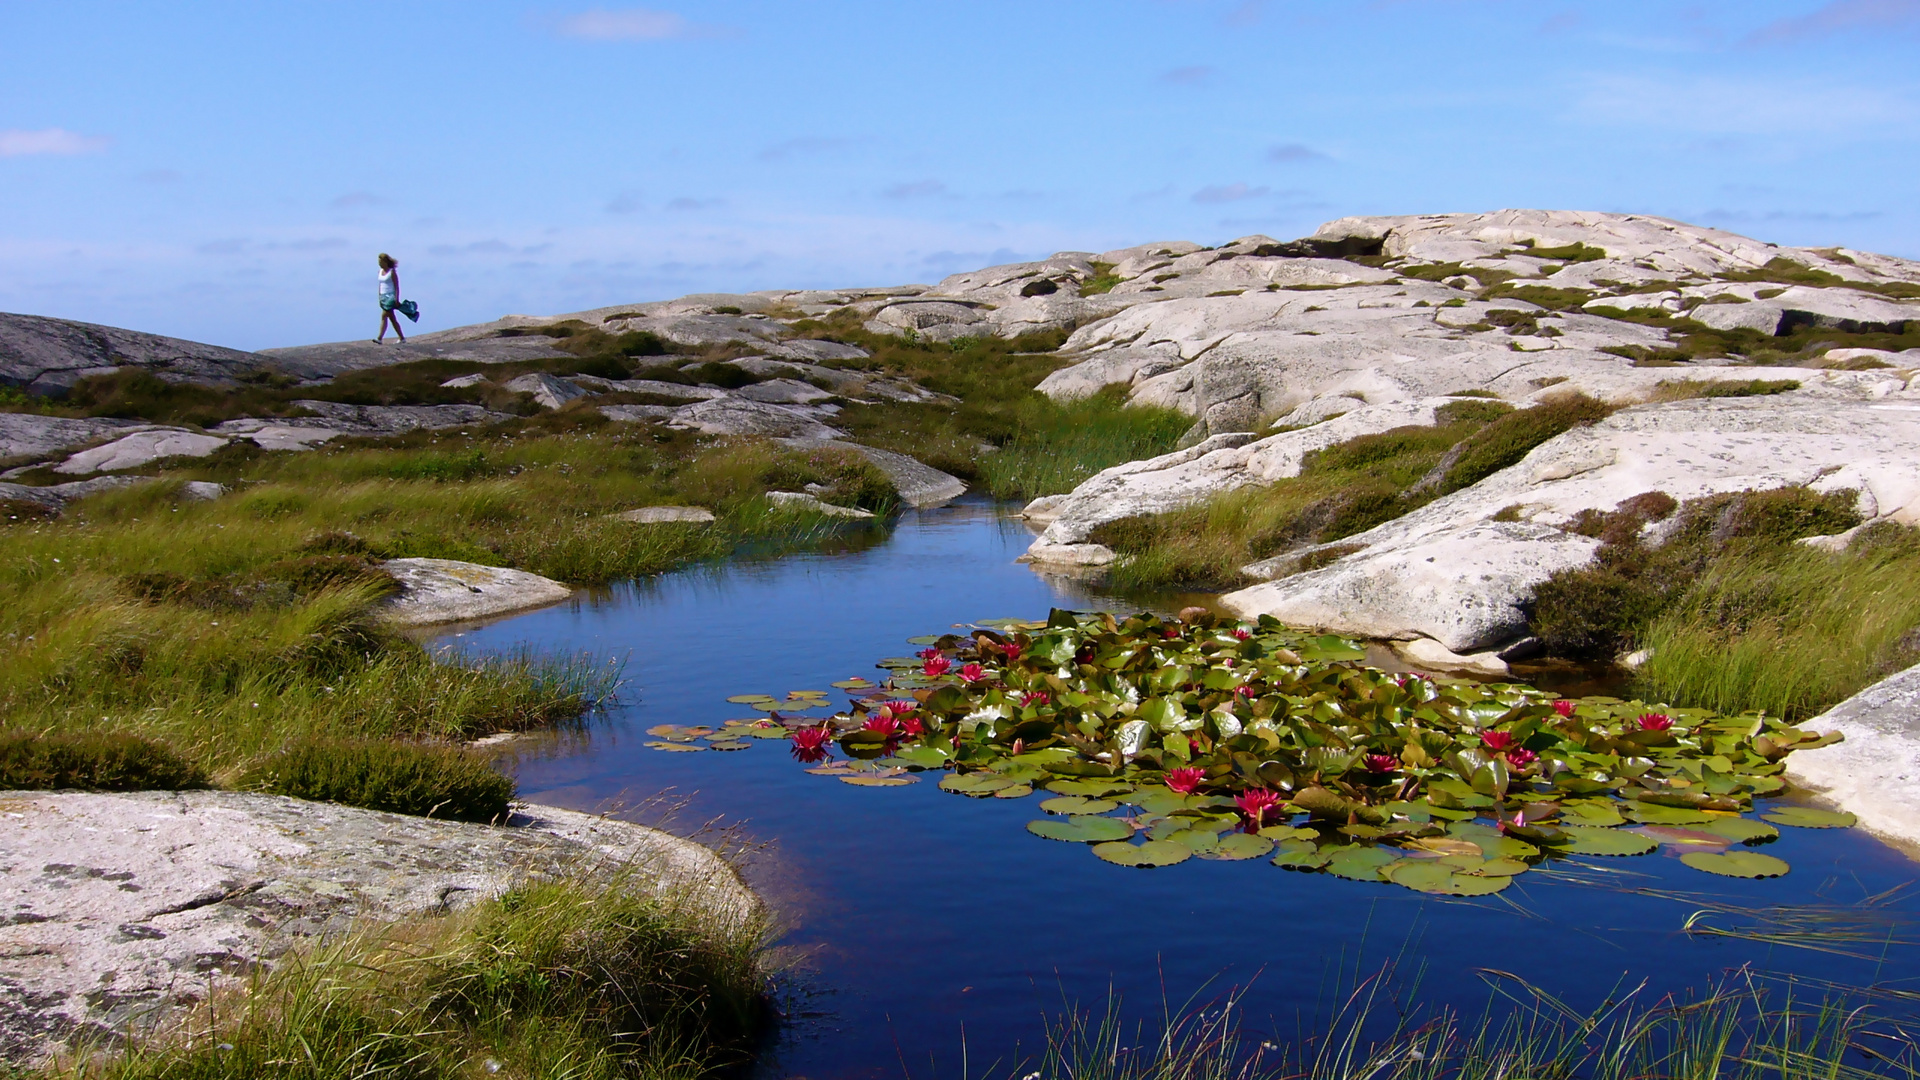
1685	389
400	777
1513	436
92	761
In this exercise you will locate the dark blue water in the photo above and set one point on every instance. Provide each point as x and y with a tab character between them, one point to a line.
923	921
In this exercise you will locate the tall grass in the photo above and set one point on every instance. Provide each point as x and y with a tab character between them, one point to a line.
581	979
1062	446
1792	631
1745	1029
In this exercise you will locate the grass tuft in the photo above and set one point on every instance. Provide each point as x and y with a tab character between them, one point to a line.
102	761
398	777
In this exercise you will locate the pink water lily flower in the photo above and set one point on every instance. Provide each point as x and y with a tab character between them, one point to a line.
1185	780
1496	741
898	707
928	653
936	665
1654	721
810	744
1169	633
1035	698
1011	650
1257	804
883	724
1564	708
1382	763
1406	677
1245	691
972	672
1241	633
1520	757
911	726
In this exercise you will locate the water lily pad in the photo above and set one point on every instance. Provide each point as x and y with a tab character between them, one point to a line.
1654	814
728	744
1421	875
1806	817
675	747
1081	829
1360	863
1077	804
1594	840
1743	830
1499	868
926	757
1742	864
1014	791
1151	853
1601	814
748	699
1681	836
1277	833
1093	789
1468	885
924	639
1237	846
1201	841
1299	855
855	683
977	784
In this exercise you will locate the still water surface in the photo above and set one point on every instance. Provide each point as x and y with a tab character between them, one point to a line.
925	922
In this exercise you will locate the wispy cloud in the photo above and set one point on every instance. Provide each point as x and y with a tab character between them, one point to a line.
356	198
1840	16
636	24
1293	153
804	146
685	203
1196	75
624	203
915	189
1225	193
48	142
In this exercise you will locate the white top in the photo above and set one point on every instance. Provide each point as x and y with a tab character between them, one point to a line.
389	285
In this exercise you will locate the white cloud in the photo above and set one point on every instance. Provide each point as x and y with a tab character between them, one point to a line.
50	142
634	24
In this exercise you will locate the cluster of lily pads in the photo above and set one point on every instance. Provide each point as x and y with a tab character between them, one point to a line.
1159	740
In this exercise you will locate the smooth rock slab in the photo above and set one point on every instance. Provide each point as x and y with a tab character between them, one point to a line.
140	448
28	435
1875	773
549	392
734	416
797	500
444	590
122	908
919	485
663	515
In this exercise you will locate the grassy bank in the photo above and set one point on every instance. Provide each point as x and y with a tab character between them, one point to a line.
1341	490
584	979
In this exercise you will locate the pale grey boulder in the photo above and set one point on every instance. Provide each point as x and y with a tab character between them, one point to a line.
918	485
56	496
802	501
461	382
36	437
636	413
736	416
1124	365
140	447
124	910
319	363
277	434
47	356
445	590
811	351
667	515
783	392
657	387
548	392
1874	772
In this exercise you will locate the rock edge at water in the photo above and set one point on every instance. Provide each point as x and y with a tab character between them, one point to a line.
122	909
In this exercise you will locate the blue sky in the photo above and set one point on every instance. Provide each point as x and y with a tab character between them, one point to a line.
227	171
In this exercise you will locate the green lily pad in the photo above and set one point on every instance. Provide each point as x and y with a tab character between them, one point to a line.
1654	814
748	699
1093	789
1806	817
1299	855
1499	868
675	747
1200	840
1151	853
1077	804
1421	875
879	781
1742	830
1742	864
1468	885
1360	863
923	756
1599	814
727	744
855	683
1237	846
977	784
1016	791
1277	833
1084	829
1593	840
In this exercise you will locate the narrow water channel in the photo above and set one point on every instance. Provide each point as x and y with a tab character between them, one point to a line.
924	924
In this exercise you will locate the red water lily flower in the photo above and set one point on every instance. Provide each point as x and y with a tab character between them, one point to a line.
1496	741
898	707
1406	677
1382	763
1257	804
928	653
1520	757
936	665
883	725
1185	780
1241	633
911	726
1245	691
1169	633
972	672
1564	708
1011	650
1035	698
810	744
1654	721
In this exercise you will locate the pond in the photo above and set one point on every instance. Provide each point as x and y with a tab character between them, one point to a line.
927	924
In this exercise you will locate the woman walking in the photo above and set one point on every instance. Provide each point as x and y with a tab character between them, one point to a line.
390	301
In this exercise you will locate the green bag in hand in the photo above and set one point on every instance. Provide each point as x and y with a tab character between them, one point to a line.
410	309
